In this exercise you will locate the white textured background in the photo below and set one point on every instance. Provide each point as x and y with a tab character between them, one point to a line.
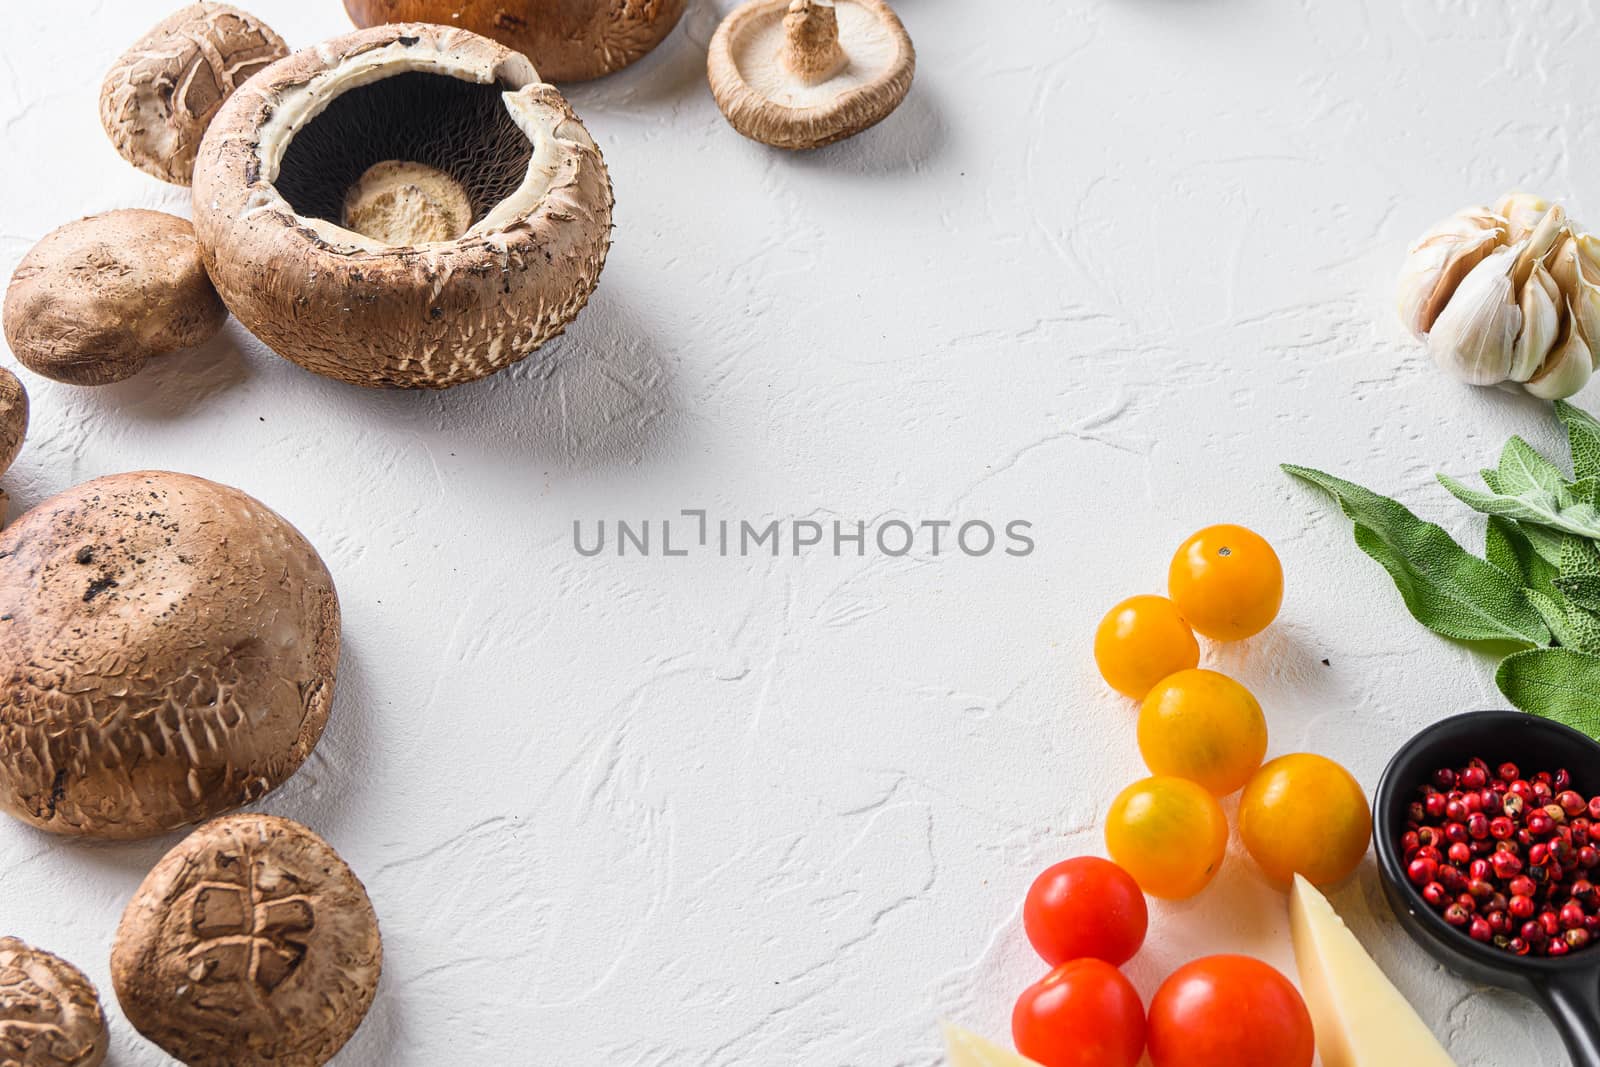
1109	264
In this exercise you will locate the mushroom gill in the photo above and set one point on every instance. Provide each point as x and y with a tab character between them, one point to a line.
463	146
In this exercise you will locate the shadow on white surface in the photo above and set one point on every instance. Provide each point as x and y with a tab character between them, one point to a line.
908	140
178	383
333	784
119	862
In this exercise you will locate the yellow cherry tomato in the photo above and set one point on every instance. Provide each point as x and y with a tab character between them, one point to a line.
1141	641
1205	727
1227	582
1169	833
1304	814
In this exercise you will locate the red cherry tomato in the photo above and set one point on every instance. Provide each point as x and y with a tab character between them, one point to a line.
1085	908
1082	1014
1230	1010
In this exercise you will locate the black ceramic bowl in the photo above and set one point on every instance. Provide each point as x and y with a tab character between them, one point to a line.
1567	988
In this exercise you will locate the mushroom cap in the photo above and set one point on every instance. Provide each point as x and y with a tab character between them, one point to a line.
251	942
13	419
767	101
167	653
301	132
568	40
97	299
159	96
50	1014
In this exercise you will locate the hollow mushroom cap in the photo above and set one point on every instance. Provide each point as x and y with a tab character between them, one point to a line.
159	96
50	1014
277	164
13	419
250	943
568	40
167	653
97	299
806	73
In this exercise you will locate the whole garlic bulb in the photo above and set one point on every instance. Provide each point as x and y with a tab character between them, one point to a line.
1509	293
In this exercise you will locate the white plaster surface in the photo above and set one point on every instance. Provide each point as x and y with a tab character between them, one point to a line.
1109	264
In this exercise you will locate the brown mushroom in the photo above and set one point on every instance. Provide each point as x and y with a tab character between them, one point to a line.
568	40
159	96
805	73
305	139
250	943
50	1014
167	653
98	298
13	419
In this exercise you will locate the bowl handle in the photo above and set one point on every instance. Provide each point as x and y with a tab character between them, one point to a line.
1573	1003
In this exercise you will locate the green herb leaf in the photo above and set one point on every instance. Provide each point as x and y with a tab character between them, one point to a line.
1574	627
1579	558
1448	589
1579	579
1583	437
1557	683
1507	546
1547	543
1583	590
1522	468
1557	510
1584	491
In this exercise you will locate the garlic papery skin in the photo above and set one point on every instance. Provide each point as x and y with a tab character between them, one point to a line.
1576	268
1509	293
1475	335
1522	212
1440	259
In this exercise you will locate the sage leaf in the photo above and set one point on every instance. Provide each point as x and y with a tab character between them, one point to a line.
1583	438
1557	683
1522	468
1579	579
1579	558
1584	491
1573	627
1449	590
1507	546
1547	543
1583	590
1555	510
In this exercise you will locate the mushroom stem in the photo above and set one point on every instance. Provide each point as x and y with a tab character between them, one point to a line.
405	203
812	31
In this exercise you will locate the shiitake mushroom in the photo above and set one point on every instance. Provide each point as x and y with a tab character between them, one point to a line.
167	653
50	1014
159	96
806	73
251	944
13	419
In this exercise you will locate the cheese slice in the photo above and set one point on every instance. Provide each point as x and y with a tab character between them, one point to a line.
1361	1019
969	1050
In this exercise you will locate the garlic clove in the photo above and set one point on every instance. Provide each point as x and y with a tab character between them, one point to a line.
1540	301
1567	370
1522	212
1440	259
1576	268
1550	232
1475	335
